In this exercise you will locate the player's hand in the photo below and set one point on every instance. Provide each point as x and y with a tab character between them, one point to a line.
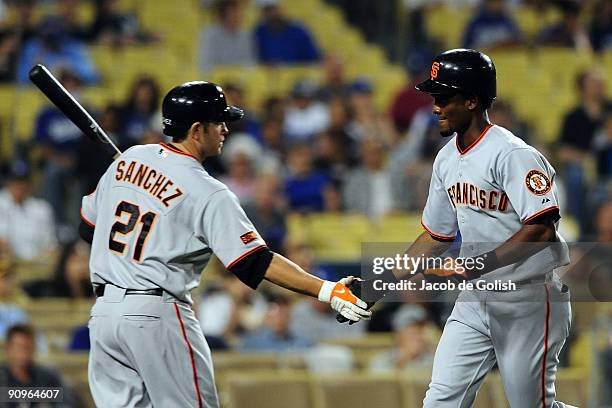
448	270
343	301
357	287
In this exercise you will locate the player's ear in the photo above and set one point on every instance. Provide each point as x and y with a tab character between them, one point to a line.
471	102
196	130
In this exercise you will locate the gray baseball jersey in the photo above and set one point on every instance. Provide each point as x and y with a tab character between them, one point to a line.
158	217
487	191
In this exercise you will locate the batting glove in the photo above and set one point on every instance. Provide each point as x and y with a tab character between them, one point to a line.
343	301
357	287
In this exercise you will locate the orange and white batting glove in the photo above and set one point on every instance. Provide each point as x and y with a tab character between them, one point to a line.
343	301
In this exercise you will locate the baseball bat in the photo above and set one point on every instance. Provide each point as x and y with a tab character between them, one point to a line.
65	102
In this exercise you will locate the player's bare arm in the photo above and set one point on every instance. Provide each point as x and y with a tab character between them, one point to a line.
289	275
424	246
511	251
538	232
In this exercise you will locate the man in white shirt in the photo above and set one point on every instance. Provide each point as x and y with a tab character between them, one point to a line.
27	225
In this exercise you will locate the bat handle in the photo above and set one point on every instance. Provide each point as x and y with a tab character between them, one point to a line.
341	319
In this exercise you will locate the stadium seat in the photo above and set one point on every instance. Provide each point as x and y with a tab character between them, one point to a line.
571	387
415	386
358	391
269	390
437	24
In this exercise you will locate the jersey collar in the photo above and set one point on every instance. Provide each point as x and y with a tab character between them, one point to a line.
175	150
474	143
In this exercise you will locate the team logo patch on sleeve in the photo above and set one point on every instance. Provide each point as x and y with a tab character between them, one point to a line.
248	237
538	182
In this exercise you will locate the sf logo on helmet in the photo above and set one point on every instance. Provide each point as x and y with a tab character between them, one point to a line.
434	70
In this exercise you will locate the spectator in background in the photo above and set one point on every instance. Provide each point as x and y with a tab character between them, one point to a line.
9	42
59	139
240	158
67	13
492	27
56	50
12	300
23	24
313	324
602	144
274	108
368	189
600	31
234	94
139	111
310	321
577	134
581	123
113	27
14	33
305	117
337	146
267	211
606	372
411	350
365	118
332	198
333	154
27	225
569	32
20	370
229	310
334	79
411	158
502	114
603	222
70	278
4	172
274	335
272	132
280	40
304	186
272	138
91	165
225	42
339	114
408	100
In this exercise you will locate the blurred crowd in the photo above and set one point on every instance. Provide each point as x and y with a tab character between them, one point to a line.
322	148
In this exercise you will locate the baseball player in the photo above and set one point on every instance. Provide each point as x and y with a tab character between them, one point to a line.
154	221
496	191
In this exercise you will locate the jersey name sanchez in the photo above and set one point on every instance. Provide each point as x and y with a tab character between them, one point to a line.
158	218
487	191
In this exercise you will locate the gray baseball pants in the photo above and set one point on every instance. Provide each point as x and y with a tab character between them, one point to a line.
148	351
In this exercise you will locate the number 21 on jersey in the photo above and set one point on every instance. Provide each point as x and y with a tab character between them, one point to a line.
147	220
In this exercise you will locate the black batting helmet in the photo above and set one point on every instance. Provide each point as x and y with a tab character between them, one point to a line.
462	71
192	102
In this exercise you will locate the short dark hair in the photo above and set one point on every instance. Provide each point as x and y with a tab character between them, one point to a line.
23	328
183	136
221	6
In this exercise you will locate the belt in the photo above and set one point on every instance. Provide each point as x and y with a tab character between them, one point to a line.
99	291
